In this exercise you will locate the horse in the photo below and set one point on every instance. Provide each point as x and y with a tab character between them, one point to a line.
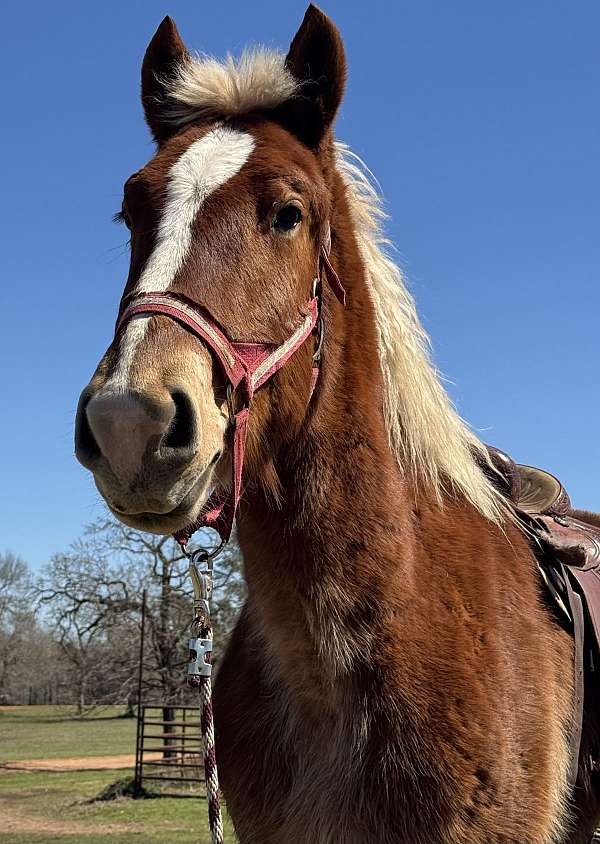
396	674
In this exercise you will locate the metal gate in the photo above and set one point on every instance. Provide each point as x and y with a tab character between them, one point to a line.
168	753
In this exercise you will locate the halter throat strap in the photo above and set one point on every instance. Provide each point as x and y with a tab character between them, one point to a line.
246	366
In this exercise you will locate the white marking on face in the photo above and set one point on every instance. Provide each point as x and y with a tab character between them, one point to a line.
206	165
134	332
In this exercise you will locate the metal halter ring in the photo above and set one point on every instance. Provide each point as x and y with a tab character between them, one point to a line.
319	335
318	330
230	407
202	555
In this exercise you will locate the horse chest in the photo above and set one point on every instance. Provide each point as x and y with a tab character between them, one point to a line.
292	772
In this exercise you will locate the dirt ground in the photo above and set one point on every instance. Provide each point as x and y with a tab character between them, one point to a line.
25	825
77	763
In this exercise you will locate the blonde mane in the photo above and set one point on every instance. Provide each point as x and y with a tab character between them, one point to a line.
427	435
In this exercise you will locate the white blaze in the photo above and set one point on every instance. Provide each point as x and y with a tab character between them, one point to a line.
206	165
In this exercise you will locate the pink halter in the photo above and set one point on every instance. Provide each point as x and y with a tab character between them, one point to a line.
247	366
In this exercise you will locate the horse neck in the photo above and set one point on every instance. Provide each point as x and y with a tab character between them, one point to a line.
315	559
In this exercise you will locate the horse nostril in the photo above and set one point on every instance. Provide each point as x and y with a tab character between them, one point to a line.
87	450
182	430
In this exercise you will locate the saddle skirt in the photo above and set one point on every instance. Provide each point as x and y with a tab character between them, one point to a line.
566	544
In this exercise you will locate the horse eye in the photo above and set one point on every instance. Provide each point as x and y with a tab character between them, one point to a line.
125	217
122	216
287	218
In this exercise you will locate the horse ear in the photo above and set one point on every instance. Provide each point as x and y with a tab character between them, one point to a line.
316	58
164	54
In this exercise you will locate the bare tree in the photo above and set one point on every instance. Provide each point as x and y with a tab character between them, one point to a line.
16	621
84	596
92	594
15	587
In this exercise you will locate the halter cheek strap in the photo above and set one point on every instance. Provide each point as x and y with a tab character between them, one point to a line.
247	366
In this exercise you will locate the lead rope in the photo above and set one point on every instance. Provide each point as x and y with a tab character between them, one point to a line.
199	676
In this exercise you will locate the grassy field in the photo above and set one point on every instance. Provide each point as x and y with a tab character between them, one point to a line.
39	808
60	807
52	732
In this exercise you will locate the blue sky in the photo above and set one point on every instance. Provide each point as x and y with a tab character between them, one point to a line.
480	120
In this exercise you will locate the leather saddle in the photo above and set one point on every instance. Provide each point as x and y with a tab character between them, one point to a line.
566	544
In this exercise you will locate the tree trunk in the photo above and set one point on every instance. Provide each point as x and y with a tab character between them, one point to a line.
81	697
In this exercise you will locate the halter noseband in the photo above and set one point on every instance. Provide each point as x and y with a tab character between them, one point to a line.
246	366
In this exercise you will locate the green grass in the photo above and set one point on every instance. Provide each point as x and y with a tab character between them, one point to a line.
51	807
52	732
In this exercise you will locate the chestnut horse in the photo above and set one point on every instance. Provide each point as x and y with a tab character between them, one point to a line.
396	674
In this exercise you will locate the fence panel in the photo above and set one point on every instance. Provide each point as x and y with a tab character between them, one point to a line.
168	752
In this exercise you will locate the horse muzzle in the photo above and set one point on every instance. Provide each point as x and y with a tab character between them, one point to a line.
147	453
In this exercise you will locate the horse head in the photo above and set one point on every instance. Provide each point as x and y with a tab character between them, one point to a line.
229	216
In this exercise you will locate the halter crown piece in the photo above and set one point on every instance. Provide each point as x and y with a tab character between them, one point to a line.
246	366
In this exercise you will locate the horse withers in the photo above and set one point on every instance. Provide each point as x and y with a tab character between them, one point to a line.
396	674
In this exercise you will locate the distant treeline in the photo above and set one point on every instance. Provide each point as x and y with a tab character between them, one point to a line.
72	635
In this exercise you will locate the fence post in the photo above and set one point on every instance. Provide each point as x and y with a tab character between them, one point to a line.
140	718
